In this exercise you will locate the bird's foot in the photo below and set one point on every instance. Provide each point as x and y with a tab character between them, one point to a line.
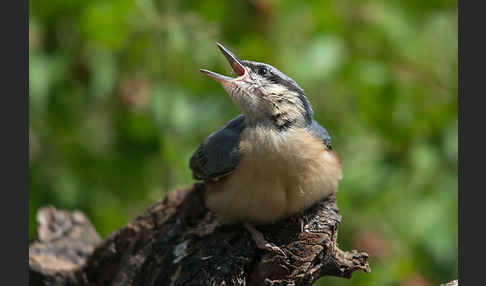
302	221
261	242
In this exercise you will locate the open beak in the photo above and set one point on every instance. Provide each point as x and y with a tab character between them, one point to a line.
234	62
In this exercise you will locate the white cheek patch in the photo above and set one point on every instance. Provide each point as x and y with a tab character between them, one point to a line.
263	100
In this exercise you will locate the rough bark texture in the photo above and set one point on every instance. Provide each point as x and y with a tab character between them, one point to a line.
179	242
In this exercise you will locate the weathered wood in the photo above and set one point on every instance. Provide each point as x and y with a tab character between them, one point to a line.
179	242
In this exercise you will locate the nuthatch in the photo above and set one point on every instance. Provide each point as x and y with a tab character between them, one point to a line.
273	160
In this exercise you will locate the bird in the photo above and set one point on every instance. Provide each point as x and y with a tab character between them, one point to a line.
271	161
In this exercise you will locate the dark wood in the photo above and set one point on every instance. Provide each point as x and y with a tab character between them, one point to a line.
178	241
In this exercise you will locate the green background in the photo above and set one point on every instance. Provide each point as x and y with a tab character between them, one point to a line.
118	105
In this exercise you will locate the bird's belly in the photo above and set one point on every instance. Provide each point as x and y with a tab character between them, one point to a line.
268	186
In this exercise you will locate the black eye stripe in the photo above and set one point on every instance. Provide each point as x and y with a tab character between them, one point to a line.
263	71
278	77
274	78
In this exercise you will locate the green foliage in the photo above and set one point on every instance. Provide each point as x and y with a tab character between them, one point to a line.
117	106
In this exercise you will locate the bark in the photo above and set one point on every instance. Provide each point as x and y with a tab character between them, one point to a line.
178	241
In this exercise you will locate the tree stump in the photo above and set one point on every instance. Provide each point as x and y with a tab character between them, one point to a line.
178	241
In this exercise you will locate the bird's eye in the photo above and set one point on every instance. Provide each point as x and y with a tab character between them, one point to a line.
262	71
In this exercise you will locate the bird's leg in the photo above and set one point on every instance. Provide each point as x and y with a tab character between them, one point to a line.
302	220
260	241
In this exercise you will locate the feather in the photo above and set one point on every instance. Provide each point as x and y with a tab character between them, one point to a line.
219	154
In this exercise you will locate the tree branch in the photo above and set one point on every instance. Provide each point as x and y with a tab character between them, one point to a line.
178	241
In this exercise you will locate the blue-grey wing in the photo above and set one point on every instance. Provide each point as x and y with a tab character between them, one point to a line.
219	154
320	132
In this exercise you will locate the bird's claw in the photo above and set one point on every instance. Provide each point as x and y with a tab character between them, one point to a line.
273	248
261	242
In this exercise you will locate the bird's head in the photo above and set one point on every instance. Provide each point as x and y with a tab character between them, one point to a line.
264	94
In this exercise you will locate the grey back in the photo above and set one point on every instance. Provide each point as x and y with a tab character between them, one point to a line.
320	132
219	154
